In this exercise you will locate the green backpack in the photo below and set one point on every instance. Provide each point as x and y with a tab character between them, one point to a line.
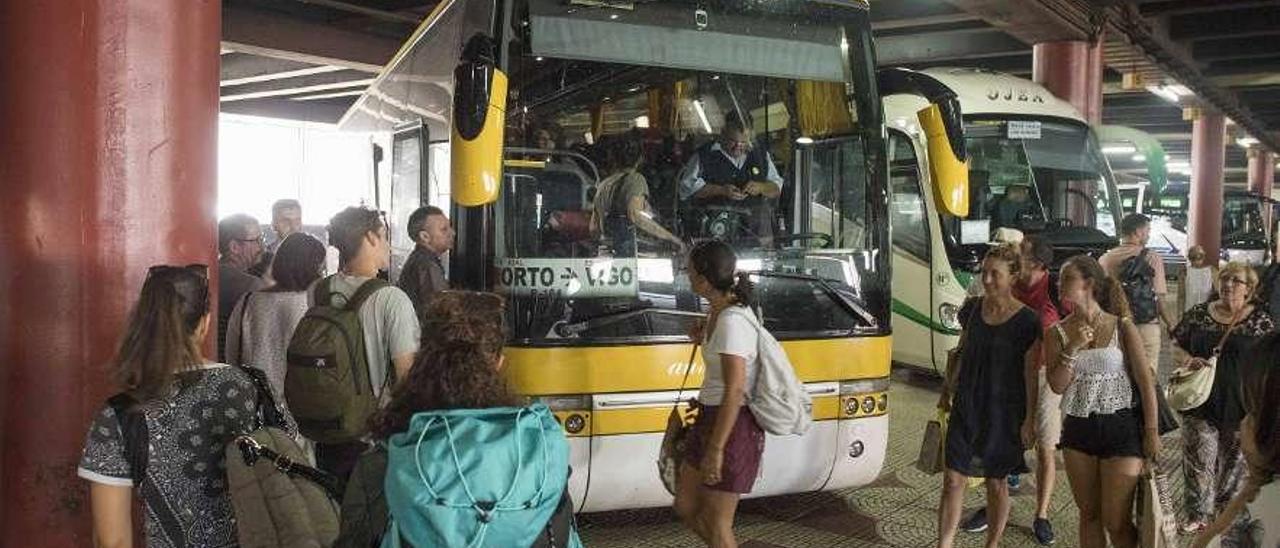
327	381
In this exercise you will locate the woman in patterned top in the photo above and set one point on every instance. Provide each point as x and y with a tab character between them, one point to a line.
1212	466
1097	362
188	409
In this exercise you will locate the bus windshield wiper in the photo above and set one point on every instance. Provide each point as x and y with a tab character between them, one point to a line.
851	303
572	329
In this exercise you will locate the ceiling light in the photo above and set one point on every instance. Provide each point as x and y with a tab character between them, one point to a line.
613	16
1138	158
1123	148
1246	142
804	140
1172	93
702	115
642	121
538	59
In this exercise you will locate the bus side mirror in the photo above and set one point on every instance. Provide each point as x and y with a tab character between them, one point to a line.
943	131
479	113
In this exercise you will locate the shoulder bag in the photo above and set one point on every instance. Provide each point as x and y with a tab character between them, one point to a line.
676	437
1188	388
930	460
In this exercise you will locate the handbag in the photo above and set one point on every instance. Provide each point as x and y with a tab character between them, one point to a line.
1188	388
1154	527
931	448
675	438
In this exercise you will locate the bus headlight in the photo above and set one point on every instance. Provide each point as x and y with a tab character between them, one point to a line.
949	315
884	403
869	404
850	407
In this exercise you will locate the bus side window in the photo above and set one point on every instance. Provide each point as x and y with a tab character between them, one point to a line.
907	215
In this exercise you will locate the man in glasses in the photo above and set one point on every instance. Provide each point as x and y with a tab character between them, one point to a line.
240	247
729	174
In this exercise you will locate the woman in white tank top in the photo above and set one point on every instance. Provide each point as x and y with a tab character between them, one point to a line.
1096	360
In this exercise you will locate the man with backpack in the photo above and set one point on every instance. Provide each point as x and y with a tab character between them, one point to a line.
1141	272
359	335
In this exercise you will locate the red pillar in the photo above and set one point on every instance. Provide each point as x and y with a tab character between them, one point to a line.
1204	222
1262	171
1072	71
110	138
1262	175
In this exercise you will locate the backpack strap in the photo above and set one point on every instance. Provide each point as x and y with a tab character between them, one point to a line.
251	451
320	295
365	291
269	413
133	434
560	525
136	442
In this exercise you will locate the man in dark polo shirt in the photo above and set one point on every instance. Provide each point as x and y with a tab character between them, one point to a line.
731	173
423	272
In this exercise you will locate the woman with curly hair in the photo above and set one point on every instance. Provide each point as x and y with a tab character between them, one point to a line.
453	406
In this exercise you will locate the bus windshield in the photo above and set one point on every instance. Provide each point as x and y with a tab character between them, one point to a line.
1040	176
633	134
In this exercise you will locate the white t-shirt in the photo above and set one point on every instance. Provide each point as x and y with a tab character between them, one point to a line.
389	323
734	334
1199	283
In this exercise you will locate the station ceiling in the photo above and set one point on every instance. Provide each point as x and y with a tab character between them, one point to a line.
310	59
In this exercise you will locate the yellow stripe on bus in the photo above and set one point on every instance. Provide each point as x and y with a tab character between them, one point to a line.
652	368
641	420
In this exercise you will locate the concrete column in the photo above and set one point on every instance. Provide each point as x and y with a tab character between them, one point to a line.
110	137
1204	222
1072	71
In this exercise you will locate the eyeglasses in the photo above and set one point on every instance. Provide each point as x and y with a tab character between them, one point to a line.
1234	280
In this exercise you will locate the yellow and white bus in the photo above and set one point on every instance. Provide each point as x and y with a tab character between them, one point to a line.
1034	166
504	112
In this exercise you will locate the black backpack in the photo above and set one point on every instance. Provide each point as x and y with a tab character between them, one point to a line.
1138	279
1269	290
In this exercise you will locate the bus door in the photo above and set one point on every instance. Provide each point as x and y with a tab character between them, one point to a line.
405	192
917	326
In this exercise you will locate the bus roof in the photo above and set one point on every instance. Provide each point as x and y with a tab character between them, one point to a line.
985	92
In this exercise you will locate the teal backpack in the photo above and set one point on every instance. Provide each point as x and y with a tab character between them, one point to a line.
479	478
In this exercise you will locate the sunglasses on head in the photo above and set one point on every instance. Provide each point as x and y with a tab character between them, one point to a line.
198	269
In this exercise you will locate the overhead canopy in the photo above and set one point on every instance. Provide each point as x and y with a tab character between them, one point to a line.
417	85
1147	146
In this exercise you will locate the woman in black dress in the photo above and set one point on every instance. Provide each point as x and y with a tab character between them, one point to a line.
987	397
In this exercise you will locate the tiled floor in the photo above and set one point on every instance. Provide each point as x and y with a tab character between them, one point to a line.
900	509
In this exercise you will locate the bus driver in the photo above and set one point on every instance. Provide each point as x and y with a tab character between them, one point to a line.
731	172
